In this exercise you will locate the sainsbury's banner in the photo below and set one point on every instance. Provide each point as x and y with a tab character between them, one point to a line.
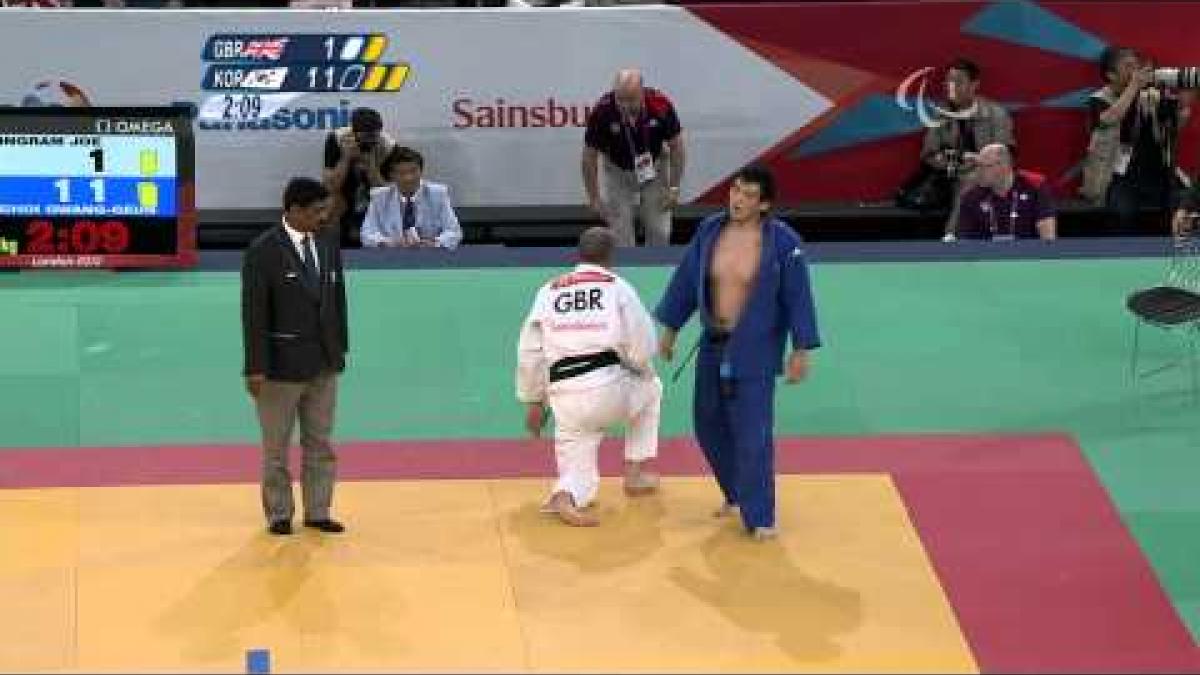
495	100
834	96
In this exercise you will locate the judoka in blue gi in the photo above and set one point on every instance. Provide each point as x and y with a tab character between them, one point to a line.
746	274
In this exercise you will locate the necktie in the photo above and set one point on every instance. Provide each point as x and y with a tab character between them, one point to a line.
409	220
310	265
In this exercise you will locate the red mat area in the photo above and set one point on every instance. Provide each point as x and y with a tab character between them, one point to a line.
1041	571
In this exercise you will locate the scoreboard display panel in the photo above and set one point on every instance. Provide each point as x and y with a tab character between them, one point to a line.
97	187
252	79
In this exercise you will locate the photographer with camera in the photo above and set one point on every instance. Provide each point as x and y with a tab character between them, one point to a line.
354	158
1135	122
968	122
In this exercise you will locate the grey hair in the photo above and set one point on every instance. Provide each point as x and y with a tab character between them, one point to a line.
596	245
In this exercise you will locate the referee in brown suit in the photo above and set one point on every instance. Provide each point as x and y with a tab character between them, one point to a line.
295	338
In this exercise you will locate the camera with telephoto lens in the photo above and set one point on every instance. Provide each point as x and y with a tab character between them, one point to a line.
1178	78
954	162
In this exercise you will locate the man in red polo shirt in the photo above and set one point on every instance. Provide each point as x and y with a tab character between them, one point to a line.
631	126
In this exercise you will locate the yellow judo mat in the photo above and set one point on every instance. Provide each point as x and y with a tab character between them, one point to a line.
467	575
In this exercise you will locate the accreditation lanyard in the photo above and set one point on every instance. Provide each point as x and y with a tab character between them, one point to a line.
997	234
640	126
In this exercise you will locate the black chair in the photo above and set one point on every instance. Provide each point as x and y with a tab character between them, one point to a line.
1173	306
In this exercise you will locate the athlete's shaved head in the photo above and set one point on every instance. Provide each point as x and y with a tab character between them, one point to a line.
596	245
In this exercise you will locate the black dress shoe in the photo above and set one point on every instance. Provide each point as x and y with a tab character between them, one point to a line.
325	525
280	527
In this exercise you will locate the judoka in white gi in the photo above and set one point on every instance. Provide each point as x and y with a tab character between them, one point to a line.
584	352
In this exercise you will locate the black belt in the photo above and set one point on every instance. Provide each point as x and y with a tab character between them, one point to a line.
571	366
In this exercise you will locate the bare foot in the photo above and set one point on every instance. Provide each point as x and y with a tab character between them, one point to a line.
563	505
639	481
725	510
764	533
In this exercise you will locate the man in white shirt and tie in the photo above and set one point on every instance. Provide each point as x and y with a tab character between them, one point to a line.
410	212
295	338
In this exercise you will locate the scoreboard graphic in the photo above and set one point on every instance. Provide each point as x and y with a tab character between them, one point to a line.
97	187
250	76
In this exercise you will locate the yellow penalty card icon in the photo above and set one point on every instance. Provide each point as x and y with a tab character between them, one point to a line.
148	162
147	193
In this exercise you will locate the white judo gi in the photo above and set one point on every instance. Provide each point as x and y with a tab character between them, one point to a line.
585	350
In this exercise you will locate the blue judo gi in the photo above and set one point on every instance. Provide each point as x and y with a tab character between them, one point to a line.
734	402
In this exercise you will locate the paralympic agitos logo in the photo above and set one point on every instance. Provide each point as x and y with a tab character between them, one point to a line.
930	113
